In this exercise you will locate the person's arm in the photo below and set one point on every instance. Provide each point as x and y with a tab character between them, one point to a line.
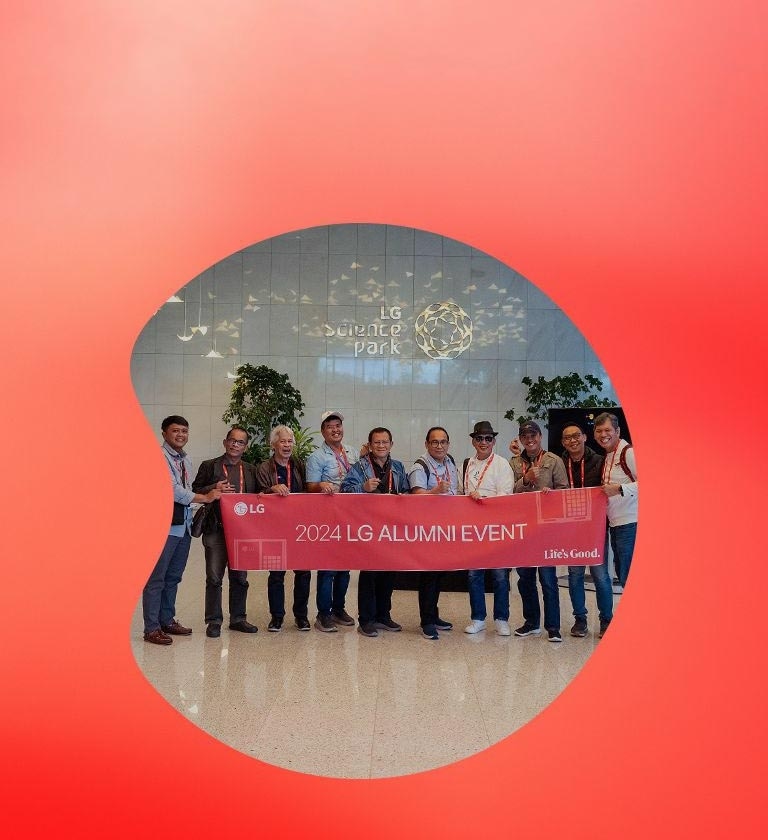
354	480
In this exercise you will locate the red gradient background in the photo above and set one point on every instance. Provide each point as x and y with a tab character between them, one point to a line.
613	153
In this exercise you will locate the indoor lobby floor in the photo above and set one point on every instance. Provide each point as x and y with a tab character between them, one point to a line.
343	705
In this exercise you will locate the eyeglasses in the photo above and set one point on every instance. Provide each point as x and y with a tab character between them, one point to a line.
233	442
575	436
484	438
438	443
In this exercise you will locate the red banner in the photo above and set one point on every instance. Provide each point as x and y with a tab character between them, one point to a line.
414	532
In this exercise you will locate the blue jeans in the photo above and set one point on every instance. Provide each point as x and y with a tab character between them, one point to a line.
603	590
623	545
476	585
331	591
159	596
529	594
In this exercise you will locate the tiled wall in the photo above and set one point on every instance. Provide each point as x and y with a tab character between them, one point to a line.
268	303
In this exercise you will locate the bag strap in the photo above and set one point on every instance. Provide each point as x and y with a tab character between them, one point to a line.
623	462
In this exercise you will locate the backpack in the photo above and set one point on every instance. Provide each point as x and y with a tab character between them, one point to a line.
426	468
623	462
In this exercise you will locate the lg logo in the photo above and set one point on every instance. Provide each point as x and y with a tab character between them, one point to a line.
241	508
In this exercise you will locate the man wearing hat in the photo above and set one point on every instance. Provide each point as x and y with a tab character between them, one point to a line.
536	469
327	467
487	475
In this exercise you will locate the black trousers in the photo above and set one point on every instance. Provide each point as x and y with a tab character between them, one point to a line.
276	593
374	596
429	593
215	565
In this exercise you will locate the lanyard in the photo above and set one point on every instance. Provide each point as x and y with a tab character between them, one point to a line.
343	463
607	469
570	473
226	475
180	467
288	470
373	473
482	474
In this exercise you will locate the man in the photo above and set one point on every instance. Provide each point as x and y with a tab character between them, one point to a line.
327	467
231	474
584	468
376	472
284	474
434	473
536	469
487	475
159	595
619	482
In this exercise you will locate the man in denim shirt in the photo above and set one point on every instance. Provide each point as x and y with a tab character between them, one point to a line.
159	595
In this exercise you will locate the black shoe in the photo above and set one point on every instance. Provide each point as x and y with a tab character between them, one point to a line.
325	623
428	631
528	629
213	631
387	624
302	622
553	634
244	626
368	629
275	624
443	625
342	617
604	625
579	629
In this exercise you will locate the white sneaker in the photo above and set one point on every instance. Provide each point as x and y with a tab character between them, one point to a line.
475	626
502	627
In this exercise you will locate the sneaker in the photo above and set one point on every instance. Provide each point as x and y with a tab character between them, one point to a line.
502	627
387	624
443	625
429	632
325	624
343	618
528	629
579	629
554	634
368	629
604	625
302	622
275	624
475	626
213	631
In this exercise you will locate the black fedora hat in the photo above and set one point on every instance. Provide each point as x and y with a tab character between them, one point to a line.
483	427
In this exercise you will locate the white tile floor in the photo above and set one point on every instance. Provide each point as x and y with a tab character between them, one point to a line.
340	704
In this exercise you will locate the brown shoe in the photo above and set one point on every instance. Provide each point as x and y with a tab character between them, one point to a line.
176	629
157	637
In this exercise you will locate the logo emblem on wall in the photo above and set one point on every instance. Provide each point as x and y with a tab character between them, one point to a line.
443	330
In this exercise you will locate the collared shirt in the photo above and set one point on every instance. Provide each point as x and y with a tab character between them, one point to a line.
435	471
326	464
180	467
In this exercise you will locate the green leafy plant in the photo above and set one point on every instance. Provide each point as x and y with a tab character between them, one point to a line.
569	391
305	444
261	399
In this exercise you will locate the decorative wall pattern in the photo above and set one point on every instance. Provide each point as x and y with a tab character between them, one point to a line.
336	309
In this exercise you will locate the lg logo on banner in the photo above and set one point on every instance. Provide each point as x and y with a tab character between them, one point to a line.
241	508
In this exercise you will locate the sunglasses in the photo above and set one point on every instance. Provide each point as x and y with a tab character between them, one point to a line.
484	438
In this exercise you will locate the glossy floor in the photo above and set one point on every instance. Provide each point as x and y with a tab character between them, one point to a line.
343	705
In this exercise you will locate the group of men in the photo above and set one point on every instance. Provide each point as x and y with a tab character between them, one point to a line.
334	467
